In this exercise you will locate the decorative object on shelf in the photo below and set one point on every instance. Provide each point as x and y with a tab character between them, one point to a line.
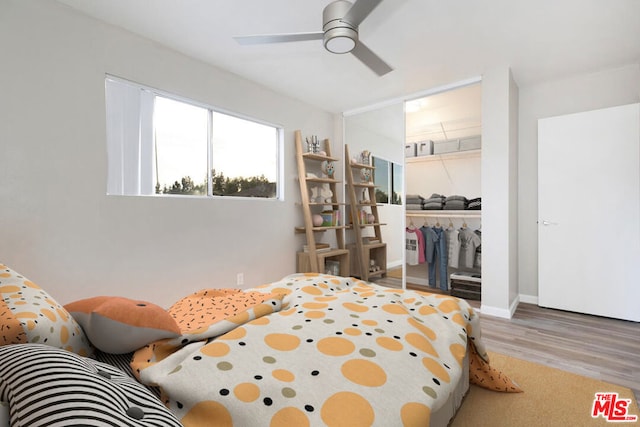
365	157
365	175
371	218
321	194
330	218
317	220
313	144
365	197
325	194
332	267
328	168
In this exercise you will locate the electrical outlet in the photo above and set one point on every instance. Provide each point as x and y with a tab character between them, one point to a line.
240	279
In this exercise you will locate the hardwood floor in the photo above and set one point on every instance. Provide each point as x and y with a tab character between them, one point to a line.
597	347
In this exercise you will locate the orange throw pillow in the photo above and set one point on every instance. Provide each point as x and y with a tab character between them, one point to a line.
120	325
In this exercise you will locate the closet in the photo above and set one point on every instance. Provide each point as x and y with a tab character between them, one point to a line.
442	177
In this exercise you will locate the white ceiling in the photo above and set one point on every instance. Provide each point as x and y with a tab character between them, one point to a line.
428	42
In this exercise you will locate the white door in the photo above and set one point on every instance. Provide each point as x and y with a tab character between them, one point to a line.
589	212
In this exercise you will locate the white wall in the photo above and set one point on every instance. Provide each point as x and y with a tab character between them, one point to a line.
499	192
447	176
381	131
58	227
586	92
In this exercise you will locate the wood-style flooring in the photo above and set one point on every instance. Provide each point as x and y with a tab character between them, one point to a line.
596	347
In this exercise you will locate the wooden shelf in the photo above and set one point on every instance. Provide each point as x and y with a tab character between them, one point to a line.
361	166
319	157
363	254
373	224
321	228
322	258
321	180
315	260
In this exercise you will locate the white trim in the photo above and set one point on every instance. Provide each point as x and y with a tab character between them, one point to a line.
501	312
192	101
529	299
415	95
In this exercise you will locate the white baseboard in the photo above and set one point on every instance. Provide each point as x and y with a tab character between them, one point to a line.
529	299
394	264
501	312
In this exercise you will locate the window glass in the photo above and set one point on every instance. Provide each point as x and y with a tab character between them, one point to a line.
397	183
180	132
244	158
381	179
158	143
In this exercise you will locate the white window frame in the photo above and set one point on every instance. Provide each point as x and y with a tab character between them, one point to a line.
130	141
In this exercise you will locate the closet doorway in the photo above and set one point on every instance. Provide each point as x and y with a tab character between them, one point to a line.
443	192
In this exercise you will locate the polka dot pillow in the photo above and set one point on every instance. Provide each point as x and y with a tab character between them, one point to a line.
30	315
50	387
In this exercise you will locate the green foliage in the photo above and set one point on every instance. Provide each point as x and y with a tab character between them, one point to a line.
256	186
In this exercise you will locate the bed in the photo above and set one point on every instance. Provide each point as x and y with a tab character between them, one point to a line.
307	350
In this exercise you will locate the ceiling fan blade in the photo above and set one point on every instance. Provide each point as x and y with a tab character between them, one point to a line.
370	59
359	11
278	38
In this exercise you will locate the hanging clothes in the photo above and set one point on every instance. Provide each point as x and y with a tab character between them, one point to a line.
436	254
469	242
414	246
453	245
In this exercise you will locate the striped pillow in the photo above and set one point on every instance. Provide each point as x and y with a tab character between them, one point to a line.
46	386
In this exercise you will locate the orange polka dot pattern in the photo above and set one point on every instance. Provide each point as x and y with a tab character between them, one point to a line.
337	352
30	315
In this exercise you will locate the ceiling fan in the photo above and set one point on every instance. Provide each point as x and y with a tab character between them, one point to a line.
340	21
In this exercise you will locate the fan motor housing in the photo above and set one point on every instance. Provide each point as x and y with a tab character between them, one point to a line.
339	36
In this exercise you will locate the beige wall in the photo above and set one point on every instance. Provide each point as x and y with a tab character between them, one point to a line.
58	227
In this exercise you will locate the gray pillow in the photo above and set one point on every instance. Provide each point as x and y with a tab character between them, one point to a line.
51	387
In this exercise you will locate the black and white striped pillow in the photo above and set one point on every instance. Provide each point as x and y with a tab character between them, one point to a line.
50	387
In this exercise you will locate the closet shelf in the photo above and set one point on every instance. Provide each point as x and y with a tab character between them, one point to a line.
444	156
444	214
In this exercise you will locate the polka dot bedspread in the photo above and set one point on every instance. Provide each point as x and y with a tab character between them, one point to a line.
311	350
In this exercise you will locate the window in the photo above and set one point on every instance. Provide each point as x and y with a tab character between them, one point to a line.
388	178
159	144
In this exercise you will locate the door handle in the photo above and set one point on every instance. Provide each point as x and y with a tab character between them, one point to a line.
545	222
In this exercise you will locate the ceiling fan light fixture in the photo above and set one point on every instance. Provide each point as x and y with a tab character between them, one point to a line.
340	40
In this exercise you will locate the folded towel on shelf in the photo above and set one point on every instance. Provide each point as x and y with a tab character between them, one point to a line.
432	206
455	197
413	207
475	204
455	202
